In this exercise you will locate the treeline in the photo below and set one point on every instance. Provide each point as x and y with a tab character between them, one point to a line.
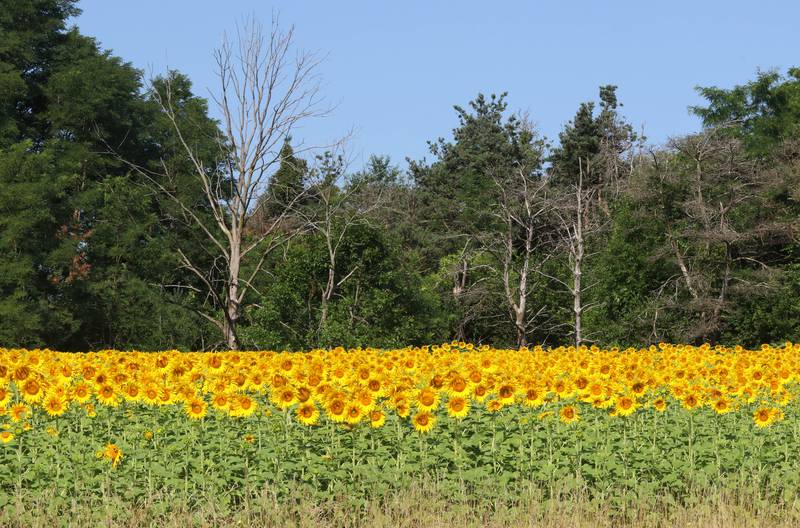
124	209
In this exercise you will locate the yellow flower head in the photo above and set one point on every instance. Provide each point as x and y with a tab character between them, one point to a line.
457	407
424	421
196	408
377	418
569	414
307	413
113	453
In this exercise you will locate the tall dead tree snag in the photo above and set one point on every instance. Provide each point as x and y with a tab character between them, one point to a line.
265	89
519	207
574	212
575	234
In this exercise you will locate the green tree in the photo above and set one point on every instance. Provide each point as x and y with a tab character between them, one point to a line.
763	112
86	238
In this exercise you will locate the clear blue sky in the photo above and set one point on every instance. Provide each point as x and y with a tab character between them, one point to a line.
396	69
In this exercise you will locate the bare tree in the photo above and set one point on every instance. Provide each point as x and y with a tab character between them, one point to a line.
265	90
521	202
575	213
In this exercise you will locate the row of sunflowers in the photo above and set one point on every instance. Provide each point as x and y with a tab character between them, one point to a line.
420	384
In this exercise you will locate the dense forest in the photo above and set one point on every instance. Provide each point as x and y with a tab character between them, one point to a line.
499	236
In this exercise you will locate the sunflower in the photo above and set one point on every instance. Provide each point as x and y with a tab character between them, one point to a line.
506	394
132	392
424	421
196	408
480	393
402	408
533	398
220	401
377	418
427	399
6	436
113	453
165	396
638	388
55	405
660	404
284	398
81	392
762	417
307	413
5	396
365	400
691	401
107	396
353	413
336	410
766	416
457	386
494	406
722	406
569	414
458	407
32	391
625	406
303	394
242	407
18	412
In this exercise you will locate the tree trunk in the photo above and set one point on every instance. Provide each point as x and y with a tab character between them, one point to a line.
231	308
578	248
326	297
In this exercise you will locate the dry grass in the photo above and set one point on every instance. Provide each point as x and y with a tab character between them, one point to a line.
420	507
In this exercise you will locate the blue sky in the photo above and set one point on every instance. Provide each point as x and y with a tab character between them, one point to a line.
395	70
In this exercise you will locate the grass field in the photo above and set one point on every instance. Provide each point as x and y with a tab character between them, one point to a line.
434	436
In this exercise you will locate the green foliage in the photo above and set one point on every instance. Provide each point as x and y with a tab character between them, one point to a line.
382	303
485	457
590	143
764	112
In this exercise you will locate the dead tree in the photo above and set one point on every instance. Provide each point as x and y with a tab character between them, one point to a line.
574	211
265	90
520	206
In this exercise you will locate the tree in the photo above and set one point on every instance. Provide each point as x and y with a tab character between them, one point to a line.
520	205
81	238
337	203
720	234
576	221
264	92
452	195
285	187
596	145
383	303
764	112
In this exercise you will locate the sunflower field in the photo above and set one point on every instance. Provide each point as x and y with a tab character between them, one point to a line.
482	423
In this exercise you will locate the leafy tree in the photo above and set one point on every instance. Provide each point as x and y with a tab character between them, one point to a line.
763	112
85	236
383	302
592	144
